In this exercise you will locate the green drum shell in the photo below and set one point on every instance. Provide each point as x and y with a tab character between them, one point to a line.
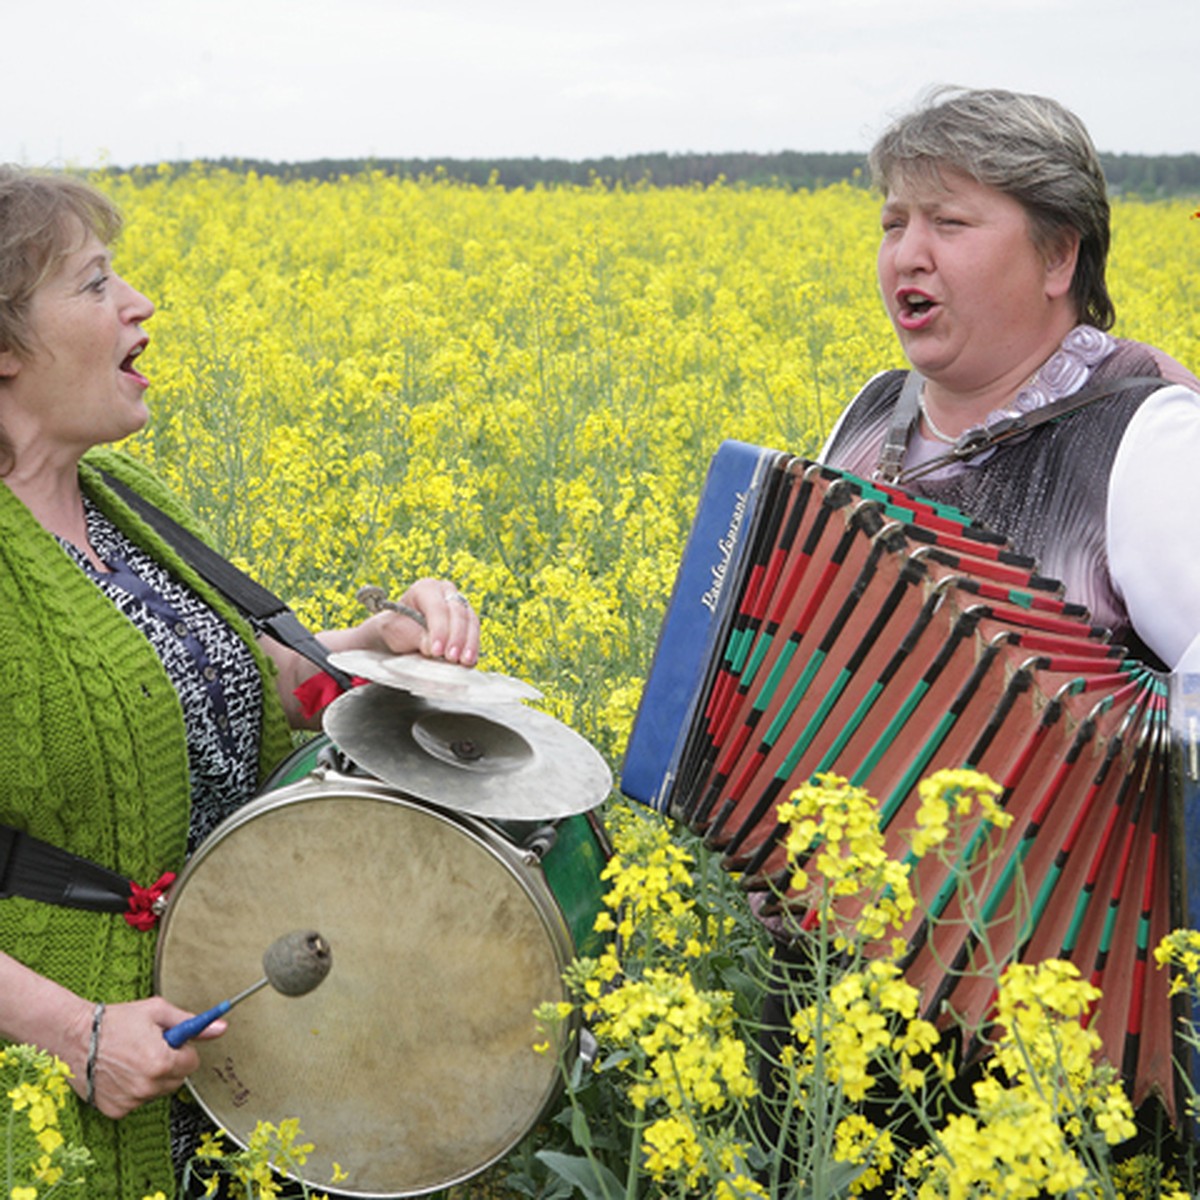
412	1066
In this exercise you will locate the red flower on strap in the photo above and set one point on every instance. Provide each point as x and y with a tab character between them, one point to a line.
142	914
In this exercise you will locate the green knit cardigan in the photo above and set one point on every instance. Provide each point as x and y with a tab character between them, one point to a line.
93	758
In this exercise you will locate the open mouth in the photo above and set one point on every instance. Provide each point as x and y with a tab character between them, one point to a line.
915	305
127	367
914	309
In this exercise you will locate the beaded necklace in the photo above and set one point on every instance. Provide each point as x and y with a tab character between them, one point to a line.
1062	374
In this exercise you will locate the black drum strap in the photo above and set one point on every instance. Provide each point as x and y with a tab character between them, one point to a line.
37	870
265	611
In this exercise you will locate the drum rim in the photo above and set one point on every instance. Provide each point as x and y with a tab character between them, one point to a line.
523	866
359	787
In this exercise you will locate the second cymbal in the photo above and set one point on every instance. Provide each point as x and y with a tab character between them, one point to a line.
506	762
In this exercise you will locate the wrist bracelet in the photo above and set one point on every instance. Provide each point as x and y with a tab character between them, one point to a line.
93	1048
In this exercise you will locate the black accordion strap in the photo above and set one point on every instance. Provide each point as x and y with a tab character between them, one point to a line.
265	611
976	441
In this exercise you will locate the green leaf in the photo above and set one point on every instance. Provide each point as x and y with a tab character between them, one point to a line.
581	1133
594	1180
838	1179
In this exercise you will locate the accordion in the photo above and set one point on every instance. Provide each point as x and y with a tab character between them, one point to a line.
822	623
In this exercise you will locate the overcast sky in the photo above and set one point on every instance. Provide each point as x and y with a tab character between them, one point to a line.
89	81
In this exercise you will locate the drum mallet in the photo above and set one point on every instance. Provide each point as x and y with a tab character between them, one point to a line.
293	964
374	599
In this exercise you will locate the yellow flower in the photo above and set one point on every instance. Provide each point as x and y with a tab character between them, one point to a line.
862	1143
838	825
49	1139
954	793
210	1146
740	1187
1181	950
672	1148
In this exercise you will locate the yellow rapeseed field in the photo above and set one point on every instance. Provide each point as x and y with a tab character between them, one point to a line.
373	379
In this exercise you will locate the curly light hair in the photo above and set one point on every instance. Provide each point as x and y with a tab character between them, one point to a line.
43	218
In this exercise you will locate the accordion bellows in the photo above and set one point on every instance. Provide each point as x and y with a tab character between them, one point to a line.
819	624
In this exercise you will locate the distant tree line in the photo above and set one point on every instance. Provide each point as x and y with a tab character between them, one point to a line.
1153	175
1146	175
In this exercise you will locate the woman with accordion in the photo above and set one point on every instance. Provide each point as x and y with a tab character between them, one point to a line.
1020	409
992	268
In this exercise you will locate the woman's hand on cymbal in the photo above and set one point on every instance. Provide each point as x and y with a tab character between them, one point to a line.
432	618
448	627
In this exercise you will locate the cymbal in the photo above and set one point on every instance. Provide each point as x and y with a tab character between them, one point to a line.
503	762
434	677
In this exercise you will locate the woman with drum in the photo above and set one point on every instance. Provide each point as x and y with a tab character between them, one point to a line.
1020	408
137	708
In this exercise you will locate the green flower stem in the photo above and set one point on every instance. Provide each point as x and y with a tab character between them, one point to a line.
9	1181
635	1155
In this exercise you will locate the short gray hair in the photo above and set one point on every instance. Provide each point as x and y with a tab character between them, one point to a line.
1029	147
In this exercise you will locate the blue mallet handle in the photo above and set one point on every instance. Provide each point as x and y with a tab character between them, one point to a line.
186	1030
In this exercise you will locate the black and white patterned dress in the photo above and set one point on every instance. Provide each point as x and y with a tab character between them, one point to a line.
215	676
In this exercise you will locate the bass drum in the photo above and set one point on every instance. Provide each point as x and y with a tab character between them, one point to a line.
412	1065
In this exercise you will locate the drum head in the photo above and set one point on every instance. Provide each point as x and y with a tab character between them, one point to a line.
412	1065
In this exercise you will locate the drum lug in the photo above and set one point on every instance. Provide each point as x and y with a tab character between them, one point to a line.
330	758
539	843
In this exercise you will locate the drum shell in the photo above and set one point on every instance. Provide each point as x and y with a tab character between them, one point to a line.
412	1066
